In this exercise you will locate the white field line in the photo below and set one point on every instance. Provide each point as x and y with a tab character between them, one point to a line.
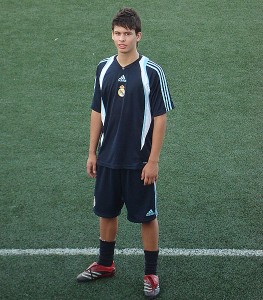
135	251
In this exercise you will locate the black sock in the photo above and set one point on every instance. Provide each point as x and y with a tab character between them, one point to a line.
106	253
151	258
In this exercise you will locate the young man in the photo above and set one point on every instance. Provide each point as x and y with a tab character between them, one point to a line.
128	121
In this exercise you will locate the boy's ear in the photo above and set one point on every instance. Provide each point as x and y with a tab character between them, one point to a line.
139	36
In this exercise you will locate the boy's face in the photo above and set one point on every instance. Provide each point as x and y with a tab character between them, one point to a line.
125	39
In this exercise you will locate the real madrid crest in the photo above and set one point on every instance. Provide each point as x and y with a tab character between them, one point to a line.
121	91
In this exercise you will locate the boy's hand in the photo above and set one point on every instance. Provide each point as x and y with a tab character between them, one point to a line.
92	165
150	172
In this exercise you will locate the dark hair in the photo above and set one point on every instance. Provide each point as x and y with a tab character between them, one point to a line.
127	18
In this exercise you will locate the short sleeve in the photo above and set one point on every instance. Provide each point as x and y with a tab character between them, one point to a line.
160	97
96	102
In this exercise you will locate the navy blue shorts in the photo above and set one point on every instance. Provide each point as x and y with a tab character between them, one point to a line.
116	187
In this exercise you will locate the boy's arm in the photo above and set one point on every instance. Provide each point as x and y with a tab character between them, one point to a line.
95	131
150	171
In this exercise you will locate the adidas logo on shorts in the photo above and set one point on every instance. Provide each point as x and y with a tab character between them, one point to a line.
150	213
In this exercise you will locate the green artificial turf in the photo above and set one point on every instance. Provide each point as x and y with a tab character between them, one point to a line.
181	278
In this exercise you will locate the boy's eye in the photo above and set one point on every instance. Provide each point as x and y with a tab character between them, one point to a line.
126	33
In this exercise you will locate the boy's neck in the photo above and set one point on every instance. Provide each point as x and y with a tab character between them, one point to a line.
125	59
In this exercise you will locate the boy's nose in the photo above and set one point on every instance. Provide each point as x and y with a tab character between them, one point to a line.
122	37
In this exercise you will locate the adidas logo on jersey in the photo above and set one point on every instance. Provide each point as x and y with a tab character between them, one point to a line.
150	213
122	79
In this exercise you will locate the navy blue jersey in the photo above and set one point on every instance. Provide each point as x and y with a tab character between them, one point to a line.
128	99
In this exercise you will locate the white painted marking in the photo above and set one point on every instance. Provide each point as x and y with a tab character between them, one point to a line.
134	251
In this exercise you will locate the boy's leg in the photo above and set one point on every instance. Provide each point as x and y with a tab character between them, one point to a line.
150	237
107	205
108	232
108	229
105	266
